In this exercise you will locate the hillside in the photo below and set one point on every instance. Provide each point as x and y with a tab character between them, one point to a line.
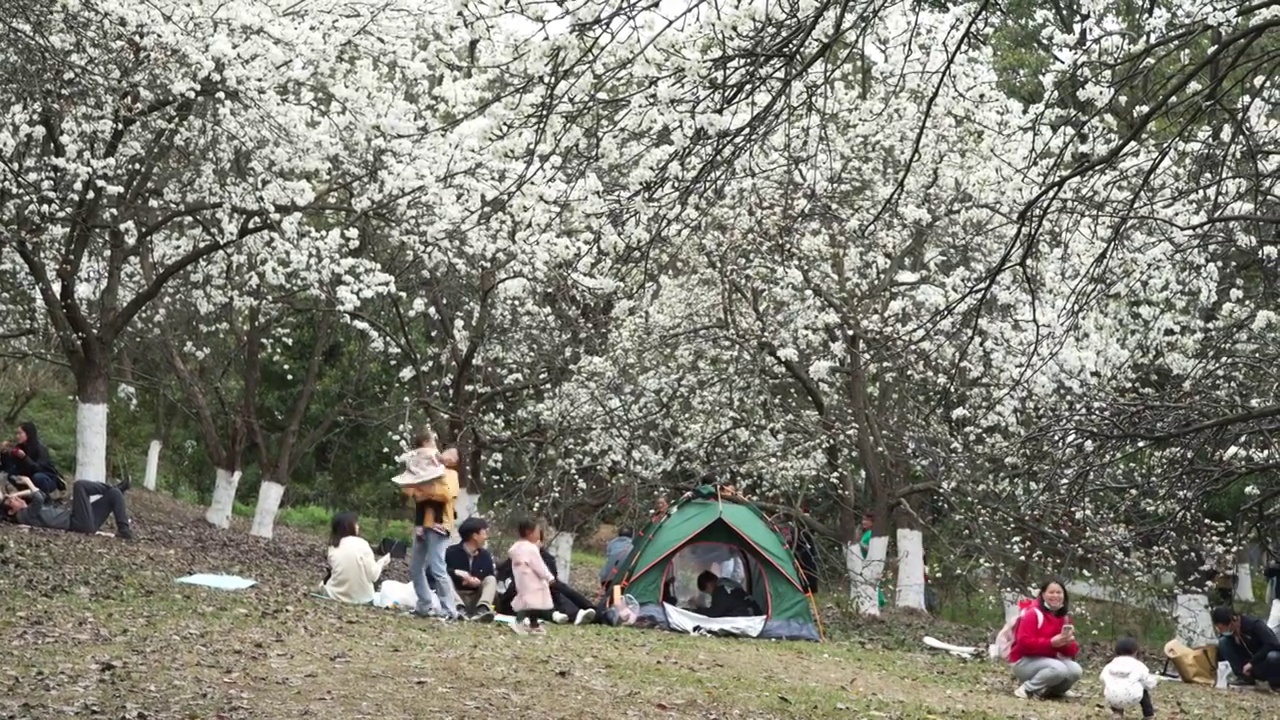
95	627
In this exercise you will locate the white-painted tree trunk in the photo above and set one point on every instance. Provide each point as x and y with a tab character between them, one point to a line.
910	590
1273	620
153	465
264	515
561	548
1009	599
91	441
224	498
864	575
1191	613
467	505
1244	582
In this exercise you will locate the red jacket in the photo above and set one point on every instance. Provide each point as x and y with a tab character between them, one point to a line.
1032	636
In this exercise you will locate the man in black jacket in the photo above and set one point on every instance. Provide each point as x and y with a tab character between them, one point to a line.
470	566
1249	646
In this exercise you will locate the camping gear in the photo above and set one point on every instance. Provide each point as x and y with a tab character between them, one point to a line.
1198	665
1004	639
709	515
217	582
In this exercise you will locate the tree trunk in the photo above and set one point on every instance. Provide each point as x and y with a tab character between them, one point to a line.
264	514
1191	612
153	465
864	574
561	548
92	388
224	498
910	589
1244	582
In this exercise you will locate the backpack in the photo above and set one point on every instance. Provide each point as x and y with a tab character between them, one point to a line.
1004	638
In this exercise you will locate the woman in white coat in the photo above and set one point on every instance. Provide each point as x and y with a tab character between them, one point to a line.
353	570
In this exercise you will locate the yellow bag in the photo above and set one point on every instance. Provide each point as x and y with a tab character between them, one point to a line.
1198	665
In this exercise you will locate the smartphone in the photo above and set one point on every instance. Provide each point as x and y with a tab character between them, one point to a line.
1068	628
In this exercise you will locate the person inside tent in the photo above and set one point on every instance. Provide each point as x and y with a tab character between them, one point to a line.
91	504
1249	646
728	598
30	459
1044	646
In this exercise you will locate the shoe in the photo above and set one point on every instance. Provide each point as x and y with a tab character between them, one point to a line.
559	618
484	614
518	628
460	612
540	630
585	617
1021	692
124	485
1242	682
1070	694
124	533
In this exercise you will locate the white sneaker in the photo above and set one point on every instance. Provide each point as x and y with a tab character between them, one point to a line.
1021	692
519	628
585	617
559	618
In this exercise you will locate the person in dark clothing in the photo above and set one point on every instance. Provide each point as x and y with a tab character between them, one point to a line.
1249	646
570	605
806	558
470	566
728	599
30	459
85	515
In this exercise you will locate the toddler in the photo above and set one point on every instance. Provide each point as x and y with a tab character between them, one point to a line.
1126	681
424	463
533	581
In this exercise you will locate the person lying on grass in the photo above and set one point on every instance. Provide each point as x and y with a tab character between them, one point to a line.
86	513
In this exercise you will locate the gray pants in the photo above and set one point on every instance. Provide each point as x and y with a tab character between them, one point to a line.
428	557
1049	677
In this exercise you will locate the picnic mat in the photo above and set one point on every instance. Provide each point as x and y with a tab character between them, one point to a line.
218	582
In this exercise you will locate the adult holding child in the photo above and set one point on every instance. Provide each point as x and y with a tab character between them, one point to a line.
1044	646
430	479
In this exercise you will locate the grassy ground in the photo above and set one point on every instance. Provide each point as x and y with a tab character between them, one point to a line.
94	627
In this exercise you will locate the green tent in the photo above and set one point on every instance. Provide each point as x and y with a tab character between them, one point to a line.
735	531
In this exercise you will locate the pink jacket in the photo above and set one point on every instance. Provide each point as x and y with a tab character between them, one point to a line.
532	577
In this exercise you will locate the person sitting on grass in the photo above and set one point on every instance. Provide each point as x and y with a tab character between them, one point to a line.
1044	646
30	459
85	515
353	571
470	565
1249	646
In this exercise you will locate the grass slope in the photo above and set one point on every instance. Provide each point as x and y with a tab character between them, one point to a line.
94	627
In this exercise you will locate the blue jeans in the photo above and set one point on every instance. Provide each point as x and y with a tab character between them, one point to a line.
428	557
46	482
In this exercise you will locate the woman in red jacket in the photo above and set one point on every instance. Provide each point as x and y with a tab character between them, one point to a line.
1044	646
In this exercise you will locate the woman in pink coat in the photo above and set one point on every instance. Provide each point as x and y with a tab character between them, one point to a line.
533	581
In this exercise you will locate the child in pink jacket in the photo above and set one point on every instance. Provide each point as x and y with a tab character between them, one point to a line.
533	581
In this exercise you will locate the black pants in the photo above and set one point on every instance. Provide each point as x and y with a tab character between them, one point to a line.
1237	657
566	600
1148	710
534	616
87	517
